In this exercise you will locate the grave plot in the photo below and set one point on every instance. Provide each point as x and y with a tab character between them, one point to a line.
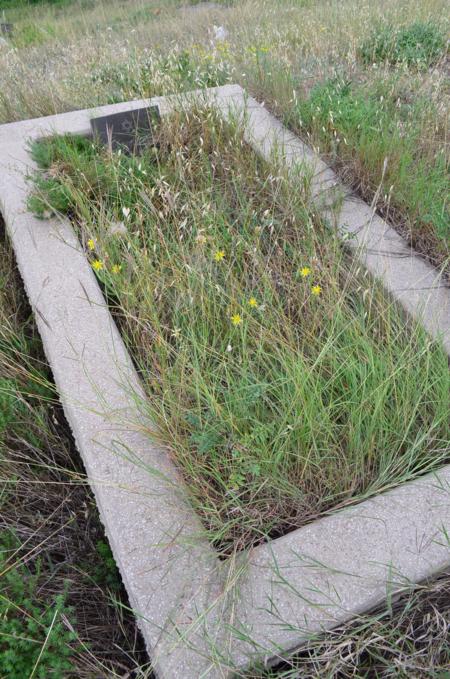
277	374
281	381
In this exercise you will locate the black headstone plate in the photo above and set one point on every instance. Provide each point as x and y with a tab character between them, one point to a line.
6	29
131	131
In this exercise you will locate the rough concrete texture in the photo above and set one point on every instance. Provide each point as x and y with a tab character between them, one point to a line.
340	566
200	618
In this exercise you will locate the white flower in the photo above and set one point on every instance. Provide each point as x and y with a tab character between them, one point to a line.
126	212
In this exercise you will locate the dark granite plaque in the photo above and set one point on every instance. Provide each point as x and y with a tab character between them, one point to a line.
131	131
6	29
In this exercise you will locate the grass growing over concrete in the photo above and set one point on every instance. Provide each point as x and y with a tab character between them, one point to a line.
278	374
407	638
63	612
46	506
76	54
385	127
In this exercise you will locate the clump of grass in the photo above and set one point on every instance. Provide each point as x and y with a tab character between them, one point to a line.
177	71
383	144
34	640
279	376
30	34
419	44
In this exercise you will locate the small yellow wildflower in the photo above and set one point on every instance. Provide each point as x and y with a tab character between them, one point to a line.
116	268
252	302
91	244
316	289
97	265
305	271
236	319
219	255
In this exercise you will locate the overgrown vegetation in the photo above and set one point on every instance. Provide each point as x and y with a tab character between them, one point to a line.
280	378
419	44
374	136
408	638
34	639
62	608
385	124
380	64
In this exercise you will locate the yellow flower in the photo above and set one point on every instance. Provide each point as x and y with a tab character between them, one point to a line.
305	271
91	244
116	268
316	289
97	265
252	302
236	319
219	255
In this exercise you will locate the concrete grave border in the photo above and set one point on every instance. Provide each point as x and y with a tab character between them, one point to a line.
201	617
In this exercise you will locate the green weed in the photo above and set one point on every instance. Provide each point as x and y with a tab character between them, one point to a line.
34	641
11	406
105	572
420	44
380	140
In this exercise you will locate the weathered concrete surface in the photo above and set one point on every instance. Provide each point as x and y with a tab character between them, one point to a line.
309	580
337	567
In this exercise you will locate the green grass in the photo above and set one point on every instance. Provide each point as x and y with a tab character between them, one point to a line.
33	639
63	612
83	54
419	44
375	135
277	403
